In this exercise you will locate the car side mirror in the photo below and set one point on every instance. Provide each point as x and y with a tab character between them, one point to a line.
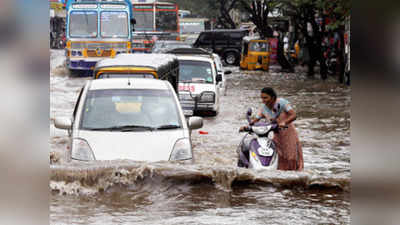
219	78
63	123
227	72
195	122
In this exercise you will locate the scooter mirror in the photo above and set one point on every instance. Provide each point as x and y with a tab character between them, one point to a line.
249	112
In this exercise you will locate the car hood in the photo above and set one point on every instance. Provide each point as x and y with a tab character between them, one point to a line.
139	146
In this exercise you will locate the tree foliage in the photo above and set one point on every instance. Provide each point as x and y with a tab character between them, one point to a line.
259	10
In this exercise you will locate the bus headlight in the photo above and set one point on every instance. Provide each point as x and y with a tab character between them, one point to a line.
182	150
73	53
81	150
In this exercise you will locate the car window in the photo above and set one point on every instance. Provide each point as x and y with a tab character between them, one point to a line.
128	107
195	71
205	38
236	35
221	38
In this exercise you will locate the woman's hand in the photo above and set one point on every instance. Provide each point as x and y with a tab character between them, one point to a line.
243	128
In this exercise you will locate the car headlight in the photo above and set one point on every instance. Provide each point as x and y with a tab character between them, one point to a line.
207	97
182	150
81	150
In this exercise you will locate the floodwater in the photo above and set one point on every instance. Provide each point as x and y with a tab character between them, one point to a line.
213	190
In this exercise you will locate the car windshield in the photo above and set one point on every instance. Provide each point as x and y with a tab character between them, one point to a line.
138	108
195	71
125	75
114	24
83	24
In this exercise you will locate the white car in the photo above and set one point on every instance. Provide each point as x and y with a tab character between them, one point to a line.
129	118
198	84
221	71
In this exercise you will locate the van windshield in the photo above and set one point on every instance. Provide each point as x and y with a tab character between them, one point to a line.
110	108
195	71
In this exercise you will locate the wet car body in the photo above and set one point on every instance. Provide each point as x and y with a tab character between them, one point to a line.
129	118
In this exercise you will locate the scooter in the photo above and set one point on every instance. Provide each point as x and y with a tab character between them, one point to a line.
257	149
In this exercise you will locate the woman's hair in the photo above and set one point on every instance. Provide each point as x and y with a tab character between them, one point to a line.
269	91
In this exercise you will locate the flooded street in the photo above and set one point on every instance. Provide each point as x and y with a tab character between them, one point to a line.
213	190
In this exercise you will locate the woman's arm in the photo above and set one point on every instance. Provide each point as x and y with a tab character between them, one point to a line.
291	117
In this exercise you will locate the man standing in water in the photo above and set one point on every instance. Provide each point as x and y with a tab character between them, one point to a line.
287	141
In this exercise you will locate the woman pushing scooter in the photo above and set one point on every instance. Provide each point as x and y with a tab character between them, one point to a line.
286	141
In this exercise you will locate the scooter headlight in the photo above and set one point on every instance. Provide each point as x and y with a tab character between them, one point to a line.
261	130
81	150
182	150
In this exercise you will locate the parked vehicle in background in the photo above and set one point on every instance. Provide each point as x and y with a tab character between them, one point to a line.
190	39
157	66
154	21
255	54
198	90
226	43
189	26
221	72
96	30
162	46
129	118
220	77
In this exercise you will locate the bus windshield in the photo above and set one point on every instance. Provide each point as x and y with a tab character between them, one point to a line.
166	21
83	24
144	20
114	24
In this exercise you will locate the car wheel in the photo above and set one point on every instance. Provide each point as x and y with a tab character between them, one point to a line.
230	58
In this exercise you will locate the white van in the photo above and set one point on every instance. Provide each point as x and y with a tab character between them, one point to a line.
198	84
129	118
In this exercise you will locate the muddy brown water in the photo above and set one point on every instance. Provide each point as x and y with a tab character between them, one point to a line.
213	190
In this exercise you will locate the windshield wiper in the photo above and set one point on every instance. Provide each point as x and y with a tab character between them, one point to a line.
125	128
167	127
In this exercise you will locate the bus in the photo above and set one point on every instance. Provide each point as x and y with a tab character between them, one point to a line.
154	21
97	29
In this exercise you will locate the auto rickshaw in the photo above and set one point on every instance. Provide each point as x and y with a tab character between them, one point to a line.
156	66
255	54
